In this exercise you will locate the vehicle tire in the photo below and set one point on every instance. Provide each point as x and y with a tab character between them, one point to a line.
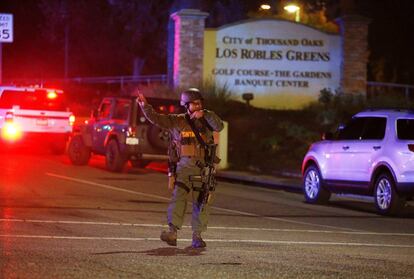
139	163
386	198
158	137
312	186
78	153
114	160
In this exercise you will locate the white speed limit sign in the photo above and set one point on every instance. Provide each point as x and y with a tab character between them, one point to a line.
6	28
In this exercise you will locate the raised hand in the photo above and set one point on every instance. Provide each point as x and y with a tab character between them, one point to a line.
142	100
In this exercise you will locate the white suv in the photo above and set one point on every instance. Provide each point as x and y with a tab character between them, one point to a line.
34	114
372	155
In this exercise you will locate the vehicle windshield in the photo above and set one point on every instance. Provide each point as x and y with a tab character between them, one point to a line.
37	100
405	129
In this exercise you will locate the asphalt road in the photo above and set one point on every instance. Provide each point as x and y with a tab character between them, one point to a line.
62	221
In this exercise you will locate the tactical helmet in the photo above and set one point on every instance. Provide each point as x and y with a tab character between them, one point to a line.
190	95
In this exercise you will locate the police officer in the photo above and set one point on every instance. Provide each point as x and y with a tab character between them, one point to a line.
189	153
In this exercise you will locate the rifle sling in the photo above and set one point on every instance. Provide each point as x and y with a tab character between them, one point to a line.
195	131
204	121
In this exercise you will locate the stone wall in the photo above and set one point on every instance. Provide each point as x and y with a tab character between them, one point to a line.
354	33
188	48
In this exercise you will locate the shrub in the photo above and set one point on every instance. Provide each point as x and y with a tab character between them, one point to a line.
336	107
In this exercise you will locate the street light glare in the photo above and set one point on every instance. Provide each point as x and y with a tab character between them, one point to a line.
291	8
265	7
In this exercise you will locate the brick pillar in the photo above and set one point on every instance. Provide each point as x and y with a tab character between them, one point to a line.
354	33
1	64
187	68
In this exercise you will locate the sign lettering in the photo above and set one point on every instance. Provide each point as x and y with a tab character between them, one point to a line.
275	59
6	28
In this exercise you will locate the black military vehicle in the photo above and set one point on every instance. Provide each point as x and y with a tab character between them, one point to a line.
119	131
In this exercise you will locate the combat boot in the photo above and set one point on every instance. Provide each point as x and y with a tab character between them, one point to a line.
198	242
170	236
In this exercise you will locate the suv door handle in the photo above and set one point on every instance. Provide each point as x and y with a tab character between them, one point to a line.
345	147
376	147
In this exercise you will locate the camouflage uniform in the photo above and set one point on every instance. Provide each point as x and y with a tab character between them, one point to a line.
184	139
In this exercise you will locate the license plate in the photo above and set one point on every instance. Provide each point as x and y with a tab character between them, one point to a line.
132	141
41	122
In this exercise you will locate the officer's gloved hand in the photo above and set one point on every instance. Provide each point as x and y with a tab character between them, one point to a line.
197	114
142	101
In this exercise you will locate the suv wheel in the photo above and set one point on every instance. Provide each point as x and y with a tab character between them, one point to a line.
386	198
79	154
114	160
312	186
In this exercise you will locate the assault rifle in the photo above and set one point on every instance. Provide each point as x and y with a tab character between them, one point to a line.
207	168
207	174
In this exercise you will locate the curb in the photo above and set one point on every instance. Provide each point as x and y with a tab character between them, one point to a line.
267	181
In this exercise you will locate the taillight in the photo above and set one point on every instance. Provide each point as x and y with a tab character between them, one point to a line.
162	108
71	119
411	147
11	131
132	131
9	116
171	108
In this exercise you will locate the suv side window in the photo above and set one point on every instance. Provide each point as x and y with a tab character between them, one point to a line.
405	129
122	109
374	128
353	130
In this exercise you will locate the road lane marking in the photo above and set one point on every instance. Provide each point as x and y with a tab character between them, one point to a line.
284	220
66	222
105	186
245	241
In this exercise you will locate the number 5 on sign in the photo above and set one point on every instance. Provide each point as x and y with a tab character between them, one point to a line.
6	28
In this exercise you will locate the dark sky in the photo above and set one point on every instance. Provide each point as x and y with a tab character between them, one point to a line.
390	38
32	55
28	55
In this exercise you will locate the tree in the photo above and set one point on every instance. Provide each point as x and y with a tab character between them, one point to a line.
224	12
312	13
142	26
114	37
